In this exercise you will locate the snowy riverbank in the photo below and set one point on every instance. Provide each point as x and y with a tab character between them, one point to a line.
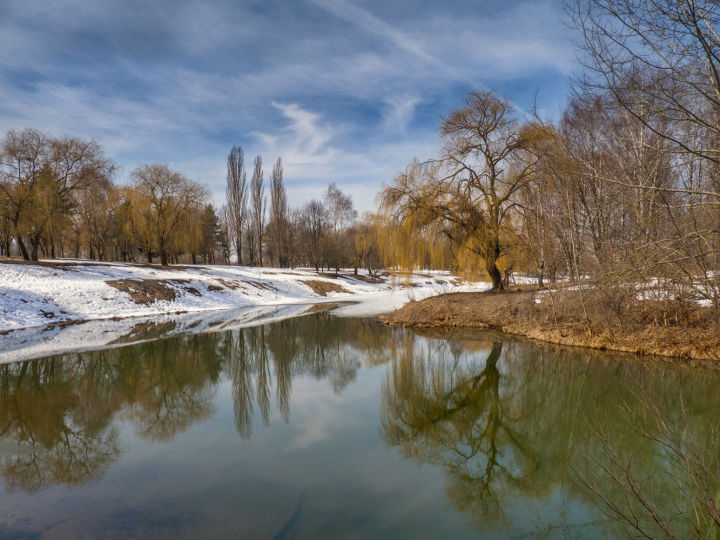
41	305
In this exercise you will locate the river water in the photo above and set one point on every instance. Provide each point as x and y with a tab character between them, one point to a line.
325	426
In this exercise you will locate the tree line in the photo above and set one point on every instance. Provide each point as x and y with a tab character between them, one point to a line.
58	199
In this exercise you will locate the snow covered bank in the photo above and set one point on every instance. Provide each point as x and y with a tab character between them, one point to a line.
42	305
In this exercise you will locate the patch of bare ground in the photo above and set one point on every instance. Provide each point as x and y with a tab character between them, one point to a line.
232	284
242	284
145	291
324	287
42	264
366	279
593	319
261	285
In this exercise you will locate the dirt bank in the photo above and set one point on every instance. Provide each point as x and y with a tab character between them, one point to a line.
569	318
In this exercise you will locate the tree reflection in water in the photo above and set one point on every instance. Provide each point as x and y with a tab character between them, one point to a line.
444	410
60	413
505	420
511	421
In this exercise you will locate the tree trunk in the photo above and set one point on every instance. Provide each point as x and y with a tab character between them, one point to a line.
495	275
238	248
21	245
34	244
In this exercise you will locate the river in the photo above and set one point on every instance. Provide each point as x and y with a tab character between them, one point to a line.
326	426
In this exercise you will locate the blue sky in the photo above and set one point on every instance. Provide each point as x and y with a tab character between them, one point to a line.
344	90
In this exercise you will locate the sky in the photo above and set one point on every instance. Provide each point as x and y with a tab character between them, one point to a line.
345	91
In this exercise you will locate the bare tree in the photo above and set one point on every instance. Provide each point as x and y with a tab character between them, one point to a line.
24	156
340	214
279	223
41	179
472	189
236	194
257	208
168	196
660	60
314	217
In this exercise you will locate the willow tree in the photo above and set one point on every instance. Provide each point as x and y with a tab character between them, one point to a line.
469	193
165	197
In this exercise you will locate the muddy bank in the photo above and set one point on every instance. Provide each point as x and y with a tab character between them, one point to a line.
641	328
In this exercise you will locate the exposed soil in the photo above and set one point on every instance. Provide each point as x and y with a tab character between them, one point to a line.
145	291
261	285
230	283
366	279
641	327
324	287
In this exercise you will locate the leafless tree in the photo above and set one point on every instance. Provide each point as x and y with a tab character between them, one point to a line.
169	195
472	189
257	209
236	194
279	224
314	222
340	215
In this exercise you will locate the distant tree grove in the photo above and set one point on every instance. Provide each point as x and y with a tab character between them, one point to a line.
58	199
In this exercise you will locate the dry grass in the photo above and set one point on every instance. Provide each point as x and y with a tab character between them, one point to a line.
232	284
324	287
569	318
145	291
366	279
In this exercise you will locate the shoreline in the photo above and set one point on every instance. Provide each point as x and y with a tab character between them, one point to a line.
519	313
66	292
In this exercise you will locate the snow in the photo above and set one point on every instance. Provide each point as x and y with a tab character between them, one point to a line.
35	298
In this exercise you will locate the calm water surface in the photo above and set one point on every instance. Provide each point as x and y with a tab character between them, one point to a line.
321	426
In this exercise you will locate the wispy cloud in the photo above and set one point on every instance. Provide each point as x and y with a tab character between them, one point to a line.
399	112
343	91
348	11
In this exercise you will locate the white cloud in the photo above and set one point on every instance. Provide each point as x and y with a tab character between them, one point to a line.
399	112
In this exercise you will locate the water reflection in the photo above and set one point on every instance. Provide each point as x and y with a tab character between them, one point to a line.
443	410
60	413
518	422
505	421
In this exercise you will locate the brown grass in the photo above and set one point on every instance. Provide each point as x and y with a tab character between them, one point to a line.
230	283
145	291
366	279
324	287
567	318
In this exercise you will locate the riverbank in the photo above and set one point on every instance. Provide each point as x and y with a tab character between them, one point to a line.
565	318
63	292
